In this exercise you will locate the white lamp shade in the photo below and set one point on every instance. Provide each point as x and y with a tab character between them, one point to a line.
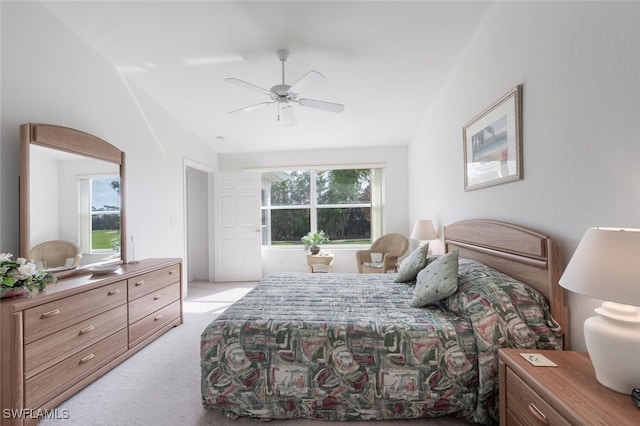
606	265
423	230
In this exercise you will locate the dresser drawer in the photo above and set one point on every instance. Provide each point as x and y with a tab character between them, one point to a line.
526	406
50	317
146	283
153	301
512	420
45	352
49	383
149	324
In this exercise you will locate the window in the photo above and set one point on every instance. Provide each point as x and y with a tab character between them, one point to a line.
100	214
345	203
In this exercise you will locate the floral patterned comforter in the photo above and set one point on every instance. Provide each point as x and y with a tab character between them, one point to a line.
349	347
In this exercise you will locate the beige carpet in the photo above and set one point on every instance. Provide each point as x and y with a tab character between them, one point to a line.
160	385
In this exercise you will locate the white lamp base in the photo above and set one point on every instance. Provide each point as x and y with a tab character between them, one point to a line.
613	341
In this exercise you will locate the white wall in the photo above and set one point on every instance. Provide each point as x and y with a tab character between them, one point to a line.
579	64
49	75
45	221
394	187
198	224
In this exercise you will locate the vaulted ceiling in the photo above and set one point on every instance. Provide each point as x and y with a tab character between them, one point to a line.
384	60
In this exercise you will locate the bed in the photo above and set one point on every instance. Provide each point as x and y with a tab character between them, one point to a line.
350	346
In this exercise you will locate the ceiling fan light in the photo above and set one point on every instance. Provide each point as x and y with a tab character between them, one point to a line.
286	115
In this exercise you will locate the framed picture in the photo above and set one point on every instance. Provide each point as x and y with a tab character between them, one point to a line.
493	143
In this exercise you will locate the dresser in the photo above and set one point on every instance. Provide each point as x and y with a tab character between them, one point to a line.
58	341
568	394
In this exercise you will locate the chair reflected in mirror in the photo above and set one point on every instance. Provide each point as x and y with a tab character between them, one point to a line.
56	254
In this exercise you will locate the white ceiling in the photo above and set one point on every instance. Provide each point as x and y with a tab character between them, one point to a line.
384	60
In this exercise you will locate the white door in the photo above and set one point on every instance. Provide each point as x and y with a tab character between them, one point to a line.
237	227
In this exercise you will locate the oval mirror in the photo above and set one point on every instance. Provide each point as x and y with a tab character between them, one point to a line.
71	198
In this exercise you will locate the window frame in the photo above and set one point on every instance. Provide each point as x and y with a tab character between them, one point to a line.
85	204
375	205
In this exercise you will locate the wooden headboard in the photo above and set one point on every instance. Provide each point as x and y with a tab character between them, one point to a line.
524	254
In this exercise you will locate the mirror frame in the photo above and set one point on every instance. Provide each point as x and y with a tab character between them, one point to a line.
75	142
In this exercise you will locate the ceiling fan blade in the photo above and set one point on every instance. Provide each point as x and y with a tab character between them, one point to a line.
252	107
308	80
327	106
287	117
248	85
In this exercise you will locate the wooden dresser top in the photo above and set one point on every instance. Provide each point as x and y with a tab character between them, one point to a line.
83	280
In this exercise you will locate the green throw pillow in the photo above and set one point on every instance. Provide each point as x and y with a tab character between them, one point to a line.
413	264
437	281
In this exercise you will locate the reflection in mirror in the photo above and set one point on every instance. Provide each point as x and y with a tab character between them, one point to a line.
72	193
74	198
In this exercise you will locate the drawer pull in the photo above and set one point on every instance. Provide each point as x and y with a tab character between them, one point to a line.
87	358
157	317
537	412
139	283
171	272
50	314
157	297
87	330
114	291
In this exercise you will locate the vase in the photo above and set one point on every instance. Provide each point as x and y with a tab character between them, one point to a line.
315	250
13	293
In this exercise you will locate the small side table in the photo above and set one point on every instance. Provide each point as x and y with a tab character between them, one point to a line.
320	262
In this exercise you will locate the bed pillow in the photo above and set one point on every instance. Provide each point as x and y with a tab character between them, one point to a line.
414	263
437	281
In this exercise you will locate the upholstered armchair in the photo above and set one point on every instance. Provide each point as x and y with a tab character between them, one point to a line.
390	247
55	253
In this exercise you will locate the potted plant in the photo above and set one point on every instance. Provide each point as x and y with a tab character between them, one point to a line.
20	276
313	240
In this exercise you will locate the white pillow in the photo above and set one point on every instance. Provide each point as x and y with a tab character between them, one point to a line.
437	280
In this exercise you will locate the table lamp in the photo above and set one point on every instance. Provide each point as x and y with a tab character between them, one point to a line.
606	266
423	230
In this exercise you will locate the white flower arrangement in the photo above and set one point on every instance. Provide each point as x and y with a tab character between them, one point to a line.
21	274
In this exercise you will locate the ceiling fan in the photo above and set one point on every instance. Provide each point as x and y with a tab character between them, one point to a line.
285	95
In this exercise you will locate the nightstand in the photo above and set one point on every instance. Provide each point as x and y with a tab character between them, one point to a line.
562	395
320	262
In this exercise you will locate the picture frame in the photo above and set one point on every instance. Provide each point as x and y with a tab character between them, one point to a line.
493	143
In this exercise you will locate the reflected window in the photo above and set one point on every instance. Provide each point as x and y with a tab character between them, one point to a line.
100	214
